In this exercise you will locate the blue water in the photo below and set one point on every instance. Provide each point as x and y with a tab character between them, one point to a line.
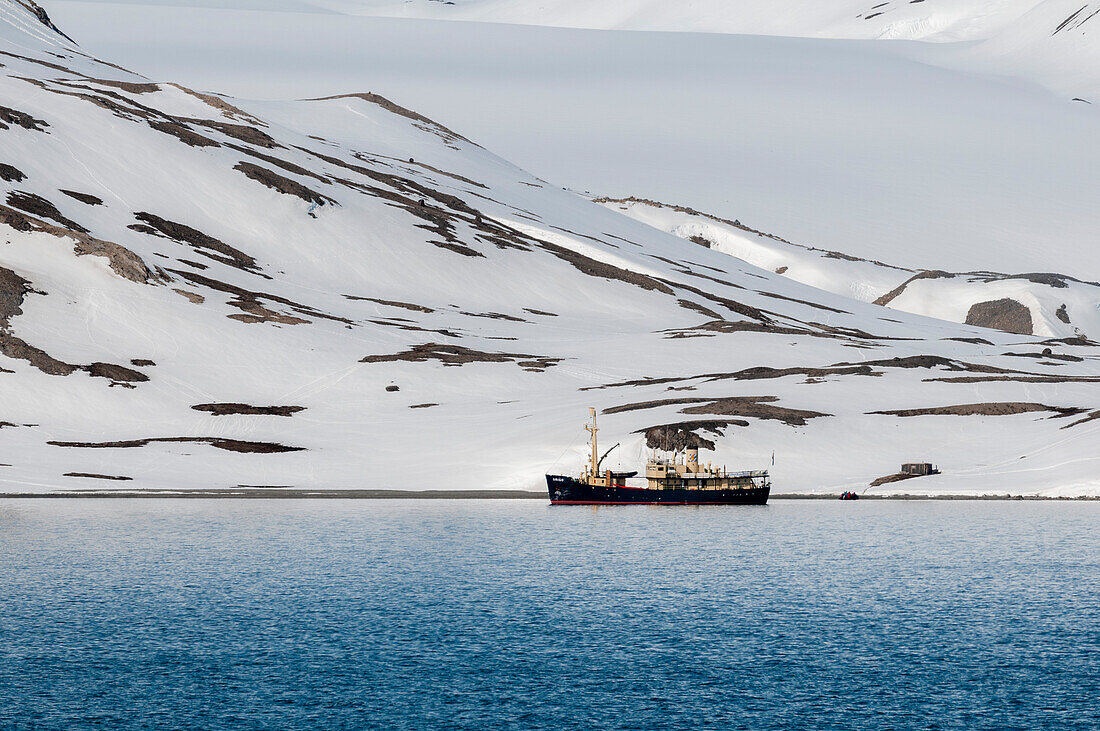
494	614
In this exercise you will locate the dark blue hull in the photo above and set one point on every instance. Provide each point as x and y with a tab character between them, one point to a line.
568	491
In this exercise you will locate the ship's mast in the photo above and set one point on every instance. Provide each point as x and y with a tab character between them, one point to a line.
592	430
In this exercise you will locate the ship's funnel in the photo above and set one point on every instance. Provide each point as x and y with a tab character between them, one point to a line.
693	459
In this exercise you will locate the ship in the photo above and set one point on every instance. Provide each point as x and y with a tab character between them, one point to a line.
675	479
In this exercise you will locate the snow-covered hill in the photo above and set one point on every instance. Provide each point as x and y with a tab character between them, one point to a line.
1046	303
929	19
199	291
865	147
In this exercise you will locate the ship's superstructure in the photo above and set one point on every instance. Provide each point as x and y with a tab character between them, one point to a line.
677	479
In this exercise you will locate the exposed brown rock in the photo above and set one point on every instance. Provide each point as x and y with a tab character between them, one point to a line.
13	288
141	362
117	373
130	87
897	477
227	109
86	198
36	205
758	407
9	116
1092	416
122	261
183	133
94	476
230	445
1062	314
425	123
456	355
391	303
281	184
815	305
242	132
244	409
19	349
1003	314
249	302
192	297
896	292
11	174
683	435
695	307
1008	408
203	243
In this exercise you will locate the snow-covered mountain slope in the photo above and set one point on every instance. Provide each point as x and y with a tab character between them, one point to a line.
861	147
198	291
929	19
1046	303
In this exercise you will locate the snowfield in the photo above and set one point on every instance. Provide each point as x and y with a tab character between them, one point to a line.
896	150
204	291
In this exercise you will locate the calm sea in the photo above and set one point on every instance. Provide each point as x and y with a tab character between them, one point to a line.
208	614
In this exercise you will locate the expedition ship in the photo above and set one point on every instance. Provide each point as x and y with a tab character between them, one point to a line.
675	481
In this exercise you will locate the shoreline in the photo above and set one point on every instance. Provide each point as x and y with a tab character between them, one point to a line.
275	493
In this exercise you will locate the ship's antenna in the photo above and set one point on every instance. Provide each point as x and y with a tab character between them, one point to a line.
595	463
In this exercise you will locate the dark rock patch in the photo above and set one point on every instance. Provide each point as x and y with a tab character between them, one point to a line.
142	362
456	355
781	270
696	307
122	261
19	349
424	123
11	174
242	132
183	133
684	435
896	477
972	341
227	109
1092	416
94	476
16	220
116	373
1003	314
36	205
1008	408
281	184
815	305
203	243
86	198
702	241
280	163
494	316
758	407
192	297
539	312
229	445
896	292
13	288
423	406
1021	378
9	116
732	305
391	303
247	410
1047	353
249	302
1062	314
130	87
392	389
